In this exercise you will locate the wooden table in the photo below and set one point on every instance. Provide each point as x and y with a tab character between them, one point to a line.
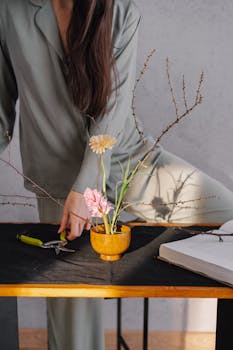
205	289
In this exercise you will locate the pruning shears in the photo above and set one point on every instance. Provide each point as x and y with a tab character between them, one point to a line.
58	245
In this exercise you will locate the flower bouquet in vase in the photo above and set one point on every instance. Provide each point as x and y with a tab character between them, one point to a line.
110	239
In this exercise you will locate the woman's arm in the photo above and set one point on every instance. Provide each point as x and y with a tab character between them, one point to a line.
8	94
113	123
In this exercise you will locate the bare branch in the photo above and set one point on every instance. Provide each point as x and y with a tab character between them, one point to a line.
39	188
184	94
35	185
199	96
198	100
171	89
141	163
211	233
15	203
142	72
180	202
22	196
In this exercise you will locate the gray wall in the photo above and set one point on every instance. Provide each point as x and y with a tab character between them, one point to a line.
195	35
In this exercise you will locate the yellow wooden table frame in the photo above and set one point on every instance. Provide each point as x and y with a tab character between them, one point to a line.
111	291
222	293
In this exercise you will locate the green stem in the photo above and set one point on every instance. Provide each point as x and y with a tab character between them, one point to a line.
104	175
118	206
124	187
108	218
106	224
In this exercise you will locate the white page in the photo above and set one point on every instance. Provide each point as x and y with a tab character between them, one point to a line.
203	254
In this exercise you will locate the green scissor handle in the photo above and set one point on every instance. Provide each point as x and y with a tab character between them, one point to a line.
35	241
29	240
63	236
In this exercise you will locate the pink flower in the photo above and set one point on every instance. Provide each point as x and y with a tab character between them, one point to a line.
96	203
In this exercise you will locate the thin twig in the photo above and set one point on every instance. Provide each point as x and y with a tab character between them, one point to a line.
22	196
171	89
40	188
199	97
32	182
211	233
184	94
142	72
15	203
176	203
198	100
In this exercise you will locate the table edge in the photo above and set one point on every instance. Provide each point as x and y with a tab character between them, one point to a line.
130	223
113	291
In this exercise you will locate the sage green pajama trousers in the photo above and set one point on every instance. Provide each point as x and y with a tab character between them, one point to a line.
167	190
73	323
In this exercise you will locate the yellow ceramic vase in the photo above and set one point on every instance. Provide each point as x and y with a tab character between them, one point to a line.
110	247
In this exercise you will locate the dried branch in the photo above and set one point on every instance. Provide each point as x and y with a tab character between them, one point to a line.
211	233
179	117
171	89
199	97
198	100
184	94
32	182
39	188
175	203
22	196
15	203
142	72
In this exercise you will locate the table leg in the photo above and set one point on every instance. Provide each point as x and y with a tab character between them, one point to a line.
224	330
119	324
9	323
120	340
145	323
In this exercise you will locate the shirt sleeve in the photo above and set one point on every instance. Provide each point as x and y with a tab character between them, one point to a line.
119	108
8	95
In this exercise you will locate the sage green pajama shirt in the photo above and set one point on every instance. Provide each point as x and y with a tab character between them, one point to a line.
54	143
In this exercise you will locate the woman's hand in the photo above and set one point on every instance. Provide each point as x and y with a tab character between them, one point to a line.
76	216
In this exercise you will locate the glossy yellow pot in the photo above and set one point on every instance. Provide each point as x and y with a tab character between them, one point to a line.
110	247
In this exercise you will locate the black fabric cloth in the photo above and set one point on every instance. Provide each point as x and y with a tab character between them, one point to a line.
21	263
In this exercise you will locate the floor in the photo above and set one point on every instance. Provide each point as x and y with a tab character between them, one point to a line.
34	339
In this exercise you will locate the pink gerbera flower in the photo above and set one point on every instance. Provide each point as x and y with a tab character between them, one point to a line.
97	204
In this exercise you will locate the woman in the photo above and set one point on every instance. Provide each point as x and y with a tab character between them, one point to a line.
72	65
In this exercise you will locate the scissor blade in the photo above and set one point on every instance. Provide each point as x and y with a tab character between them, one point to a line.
52	244
64	249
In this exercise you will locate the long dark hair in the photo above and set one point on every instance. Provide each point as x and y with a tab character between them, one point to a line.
90	55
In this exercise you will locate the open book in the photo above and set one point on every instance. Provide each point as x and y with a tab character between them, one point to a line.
204	254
